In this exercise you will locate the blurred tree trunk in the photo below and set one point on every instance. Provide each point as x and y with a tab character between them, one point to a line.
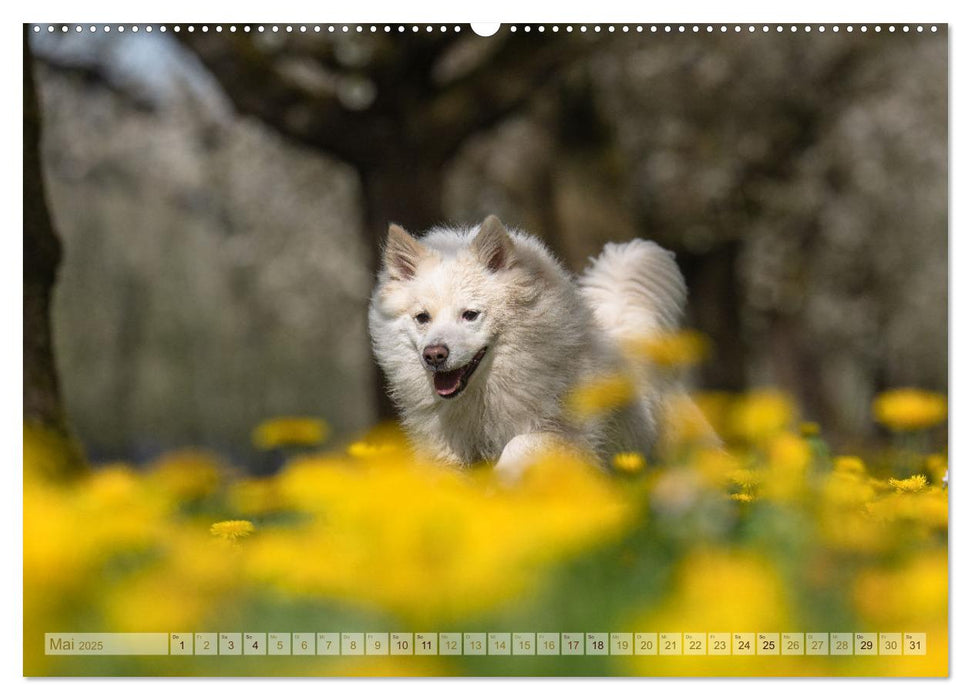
408	192
44	418
715	300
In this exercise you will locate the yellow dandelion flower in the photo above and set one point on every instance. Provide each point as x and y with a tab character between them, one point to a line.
904	410
911	484
291	431
232	530
630	462
760	415
600	395
849	464
746	478
670	349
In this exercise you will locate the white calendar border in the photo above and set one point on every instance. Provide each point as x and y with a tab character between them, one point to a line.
547	11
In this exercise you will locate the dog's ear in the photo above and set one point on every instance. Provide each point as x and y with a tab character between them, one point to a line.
402	253
492	245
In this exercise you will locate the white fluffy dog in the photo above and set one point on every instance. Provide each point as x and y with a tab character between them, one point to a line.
483	336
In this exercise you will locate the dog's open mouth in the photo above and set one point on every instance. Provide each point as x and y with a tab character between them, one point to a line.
448	385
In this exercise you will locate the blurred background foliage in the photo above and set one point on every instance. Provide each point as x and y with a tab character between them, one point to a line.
221	198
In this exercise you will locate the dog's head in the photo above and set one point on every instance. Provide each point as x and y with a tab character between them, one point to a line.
441	304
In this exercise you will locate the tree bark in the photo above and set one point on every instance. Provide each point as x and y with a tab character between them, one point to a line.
44	417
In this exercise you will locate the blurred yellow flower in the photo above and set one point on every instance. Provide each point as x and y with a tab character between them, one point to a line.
363	449
789	452
187	474
232	529
905	410
853	531
255	496
112	485
789	457
849	464
372	530
723	590
844	517
685	425
927	507
909	485
685	347
385	441
601	395
912	595
55	547
846	489
936	465
290	431
715	406
715	464
462	535
387	667
932	508
761	414
199	559
149	602
746	478
630	462
71	530
50	454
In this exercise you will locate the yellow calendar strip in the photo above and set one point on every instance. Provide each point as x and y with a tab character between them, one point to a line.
767	644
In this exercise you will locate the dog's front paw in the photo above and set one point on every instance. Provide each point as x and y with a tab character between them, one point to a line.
514	460
522	451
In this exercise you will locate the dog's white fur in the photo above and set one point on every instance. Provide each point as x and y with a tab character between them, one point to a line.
546	334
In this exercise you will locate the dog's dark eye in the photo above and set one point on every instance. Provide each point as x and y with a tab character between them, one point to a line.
470	315
423	318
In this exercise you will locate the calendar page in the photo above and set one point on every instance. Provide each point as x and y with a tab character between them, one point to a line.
485	350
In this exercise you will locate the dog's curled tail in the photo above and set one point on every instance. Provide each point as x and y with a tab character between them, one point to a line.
635	289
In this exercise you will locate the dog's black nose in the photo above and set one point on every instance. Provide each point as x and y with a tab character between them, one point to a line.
435	355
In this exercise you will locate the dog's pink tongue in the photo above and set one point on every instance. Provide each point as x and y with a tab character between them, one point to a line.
447	383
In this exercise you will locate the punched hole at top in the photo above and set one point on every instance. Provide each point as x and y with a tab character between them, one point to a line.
485	28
